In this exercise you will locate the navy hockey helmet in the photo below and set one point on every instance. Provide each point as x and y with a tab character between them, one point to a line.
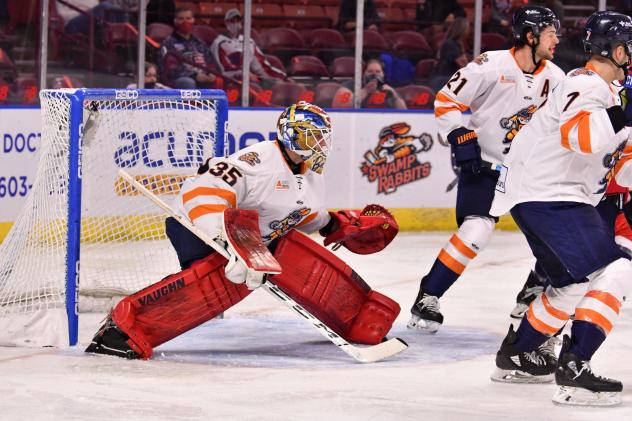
532	19
605	30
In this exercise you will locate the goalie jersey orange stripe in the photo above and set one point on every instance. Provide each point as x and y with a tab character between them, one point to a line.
202	210
227	195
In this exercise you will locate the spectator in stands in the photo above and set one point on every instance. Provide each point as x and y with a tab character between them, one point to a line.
347	17
228	50
151	78
186	62
438	11
501	15
452	53
105	11
374	94
161	11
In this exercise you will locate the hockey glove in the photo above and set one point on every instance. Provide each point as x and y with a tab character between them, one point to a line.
467	153
363	232
237	272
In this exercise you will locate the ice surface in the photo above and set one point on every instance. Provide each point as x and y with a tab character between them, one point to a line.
263	363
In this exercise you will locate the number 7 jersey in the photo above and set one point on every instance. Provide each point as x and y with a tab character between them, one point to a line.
500	95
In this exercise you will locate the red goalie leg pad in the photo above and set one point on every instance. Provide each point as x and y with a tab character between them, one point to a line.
176	304
374	320
329	289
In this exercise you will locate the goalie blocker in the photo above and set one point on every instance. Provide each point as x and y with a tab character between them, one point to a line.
312	275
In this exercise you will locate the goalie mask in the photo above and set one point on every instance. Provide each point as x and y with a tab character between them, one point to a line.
305	129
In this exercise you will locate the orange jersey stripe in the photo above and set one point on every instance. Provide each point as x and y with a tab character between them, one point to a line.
538	324
201	210
462	247
454	105
621	162
453	264
606	298
307	220
558	314
583	131
593	317
228	195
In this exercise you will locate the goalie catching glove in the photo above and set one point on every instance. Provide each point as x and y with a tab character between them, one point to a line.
365	232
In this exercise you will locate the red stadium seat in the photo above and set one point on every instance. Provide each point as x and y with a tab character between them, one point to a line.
393	18
205	33
275	61
417	96
306	16
343	67
281	38
325	93
286	93
493	41
372	41
282	42
424	68
213	13
159	31
327	44
410	44
325	38
267	15
307	66
26	89
333	12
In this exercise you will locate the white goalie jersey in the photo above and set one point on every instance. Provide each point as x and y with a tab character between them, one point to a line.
569	151
256	178
500	95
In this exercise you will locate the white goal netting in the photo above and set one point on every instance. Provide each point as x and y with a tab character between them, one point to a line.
123	247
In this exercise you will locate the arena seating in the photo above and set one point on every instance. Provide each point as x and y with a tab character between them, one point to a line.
309	66
424	68
417	96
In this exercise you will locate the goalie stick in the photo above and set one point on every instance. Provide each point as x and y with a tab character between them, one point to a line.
367	354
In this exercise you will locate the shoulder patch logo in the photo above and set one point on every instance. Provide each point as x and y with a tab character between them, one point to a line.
282	185
481	59
581	71
251	158
507	79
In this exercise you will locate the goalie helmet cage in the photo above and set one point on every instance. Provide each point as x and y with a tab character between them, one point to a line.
79	207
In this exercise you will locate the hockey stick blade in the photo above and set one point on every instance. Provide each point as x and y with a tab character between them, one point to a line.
368	354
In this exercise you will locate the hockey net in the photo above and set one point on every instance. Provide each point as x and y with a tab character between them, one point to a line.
118	237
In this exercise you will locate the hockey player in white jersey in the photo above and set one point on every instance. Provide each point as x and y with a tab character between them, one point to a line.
283	181
557	171
503	89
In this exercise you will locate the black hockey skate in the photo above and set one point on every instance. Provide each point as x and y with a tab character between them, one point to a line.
533	287
515	366
425	314
578	385
110	340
